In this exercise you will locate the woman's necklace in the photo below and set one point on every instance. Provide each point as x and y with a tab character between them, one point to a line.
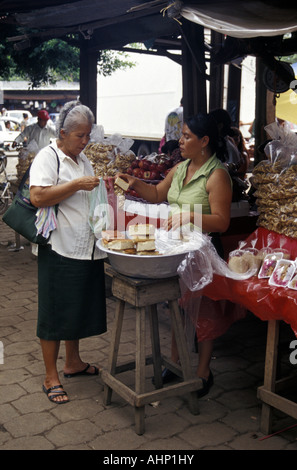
192	168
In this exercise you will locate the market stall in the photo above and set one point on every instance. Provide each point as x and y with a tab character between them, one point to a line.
271	296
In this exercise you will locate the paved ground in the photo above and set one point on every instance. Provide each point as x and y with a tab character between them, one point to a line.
229	416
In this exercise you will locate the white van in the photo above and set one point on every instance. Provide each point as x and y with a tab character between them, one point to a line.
17	113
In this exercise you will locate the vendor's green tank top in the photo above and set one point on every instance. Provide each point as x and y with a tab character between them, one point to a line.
194	192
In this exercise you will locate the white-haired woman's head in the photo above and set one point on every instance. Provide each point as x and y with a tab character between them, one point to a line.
72	115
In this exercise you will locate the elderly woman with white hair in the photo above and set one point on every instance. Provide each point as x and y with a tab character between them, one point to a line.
71	287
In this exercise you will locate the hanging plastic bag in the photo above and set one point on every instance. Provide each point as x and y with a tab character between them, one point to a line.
196	270
99	214
113	204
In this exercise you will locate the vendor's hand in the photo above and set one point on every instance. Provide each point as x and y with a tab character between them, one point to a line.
124	176
176	221
88	183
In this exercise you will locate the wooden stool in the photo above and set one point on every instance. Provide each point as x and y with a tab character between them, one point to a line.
139	293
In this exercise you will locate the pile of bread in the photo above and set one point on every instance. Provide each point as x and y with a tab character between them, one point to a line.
141	240
106	161
276	193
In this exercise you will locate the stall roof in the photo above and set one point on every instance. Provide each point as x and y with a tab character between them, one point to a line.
115	23
250	28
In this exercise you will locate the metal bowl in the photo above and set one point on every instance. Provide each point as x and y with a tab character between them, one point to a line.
143	266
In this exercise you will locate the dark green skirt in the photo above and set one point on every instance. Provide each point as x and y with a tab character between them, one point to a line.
71	297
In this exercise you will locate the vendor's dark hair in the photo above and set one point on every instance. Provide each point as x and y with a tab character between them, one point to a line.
169	146
203	124
223	120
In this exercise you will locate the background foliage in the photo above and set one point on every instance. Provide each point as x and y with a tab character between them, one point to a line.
48	62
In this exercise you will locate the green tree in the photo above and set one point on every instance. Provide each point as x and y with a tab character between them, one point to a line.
51	61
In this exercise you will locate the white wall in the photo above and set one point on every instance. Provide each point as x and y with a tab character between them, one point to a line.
135	102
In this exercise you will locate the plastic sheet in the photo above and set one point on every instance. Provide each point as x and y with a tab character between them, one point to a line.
207	318
239	20
265	301
198	267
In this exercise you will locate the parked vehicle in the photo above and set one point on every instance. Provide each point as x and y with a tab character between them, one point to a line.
17	114
7	136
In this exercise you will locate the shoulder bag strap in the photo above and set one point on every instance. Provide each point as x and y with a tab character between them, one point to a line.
24	178
58	169
58	160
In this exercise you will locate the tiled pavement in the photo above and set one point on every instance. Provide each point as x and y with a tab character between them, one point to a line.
229	416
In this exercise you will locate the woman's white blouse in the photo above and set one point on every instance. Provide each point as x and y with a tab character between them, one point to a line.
73	236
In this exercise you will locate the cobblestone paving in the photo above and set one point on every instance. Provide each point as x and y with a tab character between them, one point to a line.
229	416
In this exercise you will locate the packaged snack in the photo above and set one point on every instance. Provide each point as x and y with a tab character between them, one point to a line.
293	283
269	264
253	251
286	253
241	261
264	251
237	263
253	258
282	273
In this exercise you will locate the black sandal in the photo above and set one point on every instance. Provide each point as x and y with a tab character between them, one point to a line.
83	372
207	384
52	393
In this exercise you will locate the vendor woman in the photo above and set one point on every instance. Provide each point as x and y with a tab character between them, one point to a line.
200	179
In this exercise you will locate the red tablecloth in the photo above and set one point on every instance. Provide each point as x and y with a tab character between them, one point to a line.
265	301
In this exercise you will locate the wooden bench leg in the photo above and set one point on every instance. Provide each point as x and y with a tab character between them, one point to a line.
270	372
114	347
181	344
140	367
155	340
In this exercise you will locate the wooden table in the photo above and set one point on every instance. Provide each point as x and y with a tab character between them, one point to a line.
270	391
144	295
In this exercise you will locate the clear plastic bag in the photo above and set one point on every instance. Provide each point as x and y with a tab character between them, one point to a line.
99	213
282	150
197	268
97	134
